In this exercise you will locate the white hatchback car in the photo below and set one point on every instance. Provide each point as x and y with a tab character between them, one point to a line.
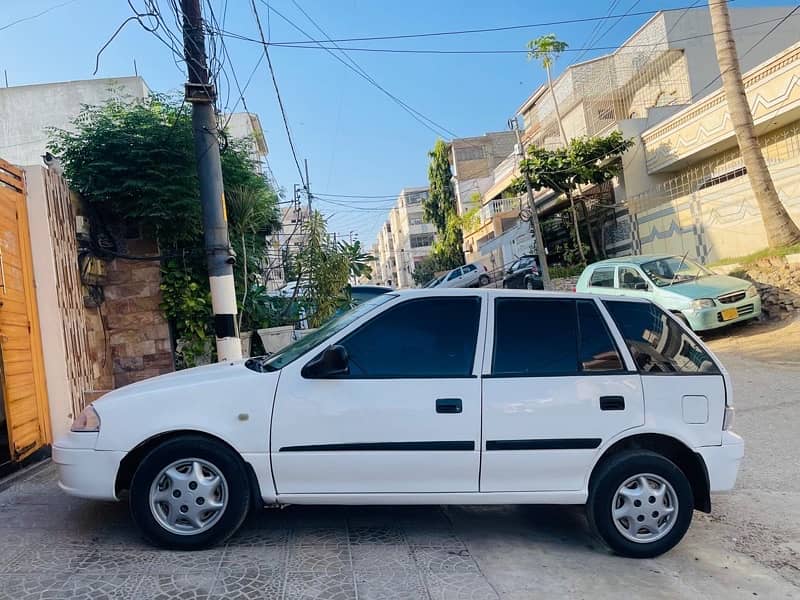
429	397
470	275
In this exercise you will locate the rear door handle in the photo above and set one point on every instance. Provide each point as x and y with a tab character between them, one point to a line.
449	406
612	403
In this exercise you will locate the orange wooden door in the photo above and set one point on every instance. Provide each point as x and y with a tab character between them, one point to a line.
21	365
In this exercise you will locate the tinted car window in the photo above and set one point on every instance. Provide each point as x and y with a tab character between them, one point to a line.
597	349
468	268
602	278
658	344
535	337
454	274
430	337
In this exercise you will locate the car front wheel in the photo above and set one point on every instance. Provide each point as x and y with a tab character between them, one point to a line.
640	504
190	493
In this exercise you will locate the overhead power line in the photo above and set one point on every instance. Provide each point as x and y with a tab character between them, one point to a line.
746	52
278	95
35	16
490	29
427	122
583	50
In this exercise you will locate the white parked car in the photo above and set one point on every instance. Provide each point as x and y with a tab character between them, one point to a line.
470	275
429	397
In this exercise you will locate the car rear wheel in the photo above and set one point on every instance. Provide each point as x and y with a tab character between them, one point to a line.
529	284
483	280
640	504
190	493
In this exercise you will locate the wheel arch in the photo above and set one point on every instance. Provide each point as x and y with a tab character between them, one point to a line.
688	461
136	455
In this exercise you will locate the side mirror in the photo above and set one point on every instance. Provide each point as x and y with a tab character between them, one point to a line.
641	286
333	361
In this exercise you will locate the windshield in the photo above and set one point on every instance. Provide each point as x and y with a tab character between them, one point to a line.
293	351
673	270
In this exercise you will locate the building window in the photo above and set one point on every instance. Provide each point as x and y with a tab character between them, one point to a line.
415	198
470	153
712	181
605	114
421	240
415	221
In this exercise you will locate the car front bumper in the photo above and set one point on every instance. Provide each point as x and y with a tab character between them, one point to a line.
722	462
711	318
84	471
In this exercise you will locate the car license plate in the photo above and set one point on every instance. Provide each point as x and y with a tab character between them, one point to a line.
729	313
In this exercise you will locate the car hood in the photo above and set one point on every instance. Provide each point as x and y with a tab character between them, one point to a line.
226	400
196	376
708	287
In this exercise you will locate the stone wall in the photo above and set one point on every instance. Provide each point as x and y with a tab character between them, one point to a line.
778	282
137	332
564	284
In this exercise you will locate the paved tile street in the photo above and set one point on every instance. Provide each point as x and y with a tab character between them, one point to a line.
55	547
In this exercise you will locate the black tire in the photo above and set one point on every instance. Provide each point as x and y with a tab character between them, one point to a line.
610	475
226	461
483	280
529	284
683	320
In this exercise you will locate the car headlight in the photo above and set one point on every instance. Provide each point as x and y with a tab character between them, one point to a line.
87	421
752	291
703	303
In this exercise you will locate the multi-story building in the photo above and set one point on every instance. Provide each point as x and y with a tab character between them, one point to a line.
669	62
284	244
404	240
685	183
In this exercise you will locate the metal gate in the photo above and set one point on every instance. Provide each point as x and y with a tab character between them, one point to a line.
24	394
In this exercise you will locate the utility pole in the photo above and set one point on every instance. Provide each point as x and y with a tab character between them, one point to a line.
308	185
201	94
536	229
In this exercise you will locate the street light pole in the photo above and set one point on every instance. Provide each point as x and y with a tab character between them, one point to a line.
200	94
536	229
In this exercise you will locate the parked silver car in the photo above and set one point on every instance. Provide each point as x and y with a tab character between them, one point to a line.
470	275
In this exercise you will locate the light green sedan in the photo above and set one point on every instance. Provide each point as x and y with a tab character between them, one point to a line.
701	298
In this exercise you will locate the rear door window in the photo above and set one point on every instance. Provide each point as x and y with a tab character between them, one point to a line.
455	273
658	343
468	268
602	277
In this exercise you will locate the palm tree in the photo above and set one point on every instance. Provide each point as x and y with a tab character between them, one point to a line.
546	49
781	230
358	261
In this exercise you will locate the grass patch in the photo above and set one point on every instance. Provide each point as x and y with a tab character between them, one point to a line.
765	253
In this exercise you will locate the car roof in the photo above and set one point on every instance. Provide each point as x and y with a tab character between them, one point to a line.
505	293
381	289
635	260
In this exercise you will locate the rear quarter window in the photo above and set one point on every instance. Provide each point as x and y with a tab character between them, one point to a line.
658	343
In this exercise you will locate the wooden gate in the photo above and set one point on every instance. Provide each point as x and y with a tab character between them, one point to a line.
21	364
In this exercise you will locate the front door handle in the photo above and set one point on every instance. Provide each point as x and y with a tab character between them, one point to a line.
450	406
612	403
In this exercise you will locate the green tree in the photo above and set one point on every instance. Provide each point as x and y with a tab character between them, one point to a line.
440	208
324	270
358	260
778	224
546	49
587	160
134	163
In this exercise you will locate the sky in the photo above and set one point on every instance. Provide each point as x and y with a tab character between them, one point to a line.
357	140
